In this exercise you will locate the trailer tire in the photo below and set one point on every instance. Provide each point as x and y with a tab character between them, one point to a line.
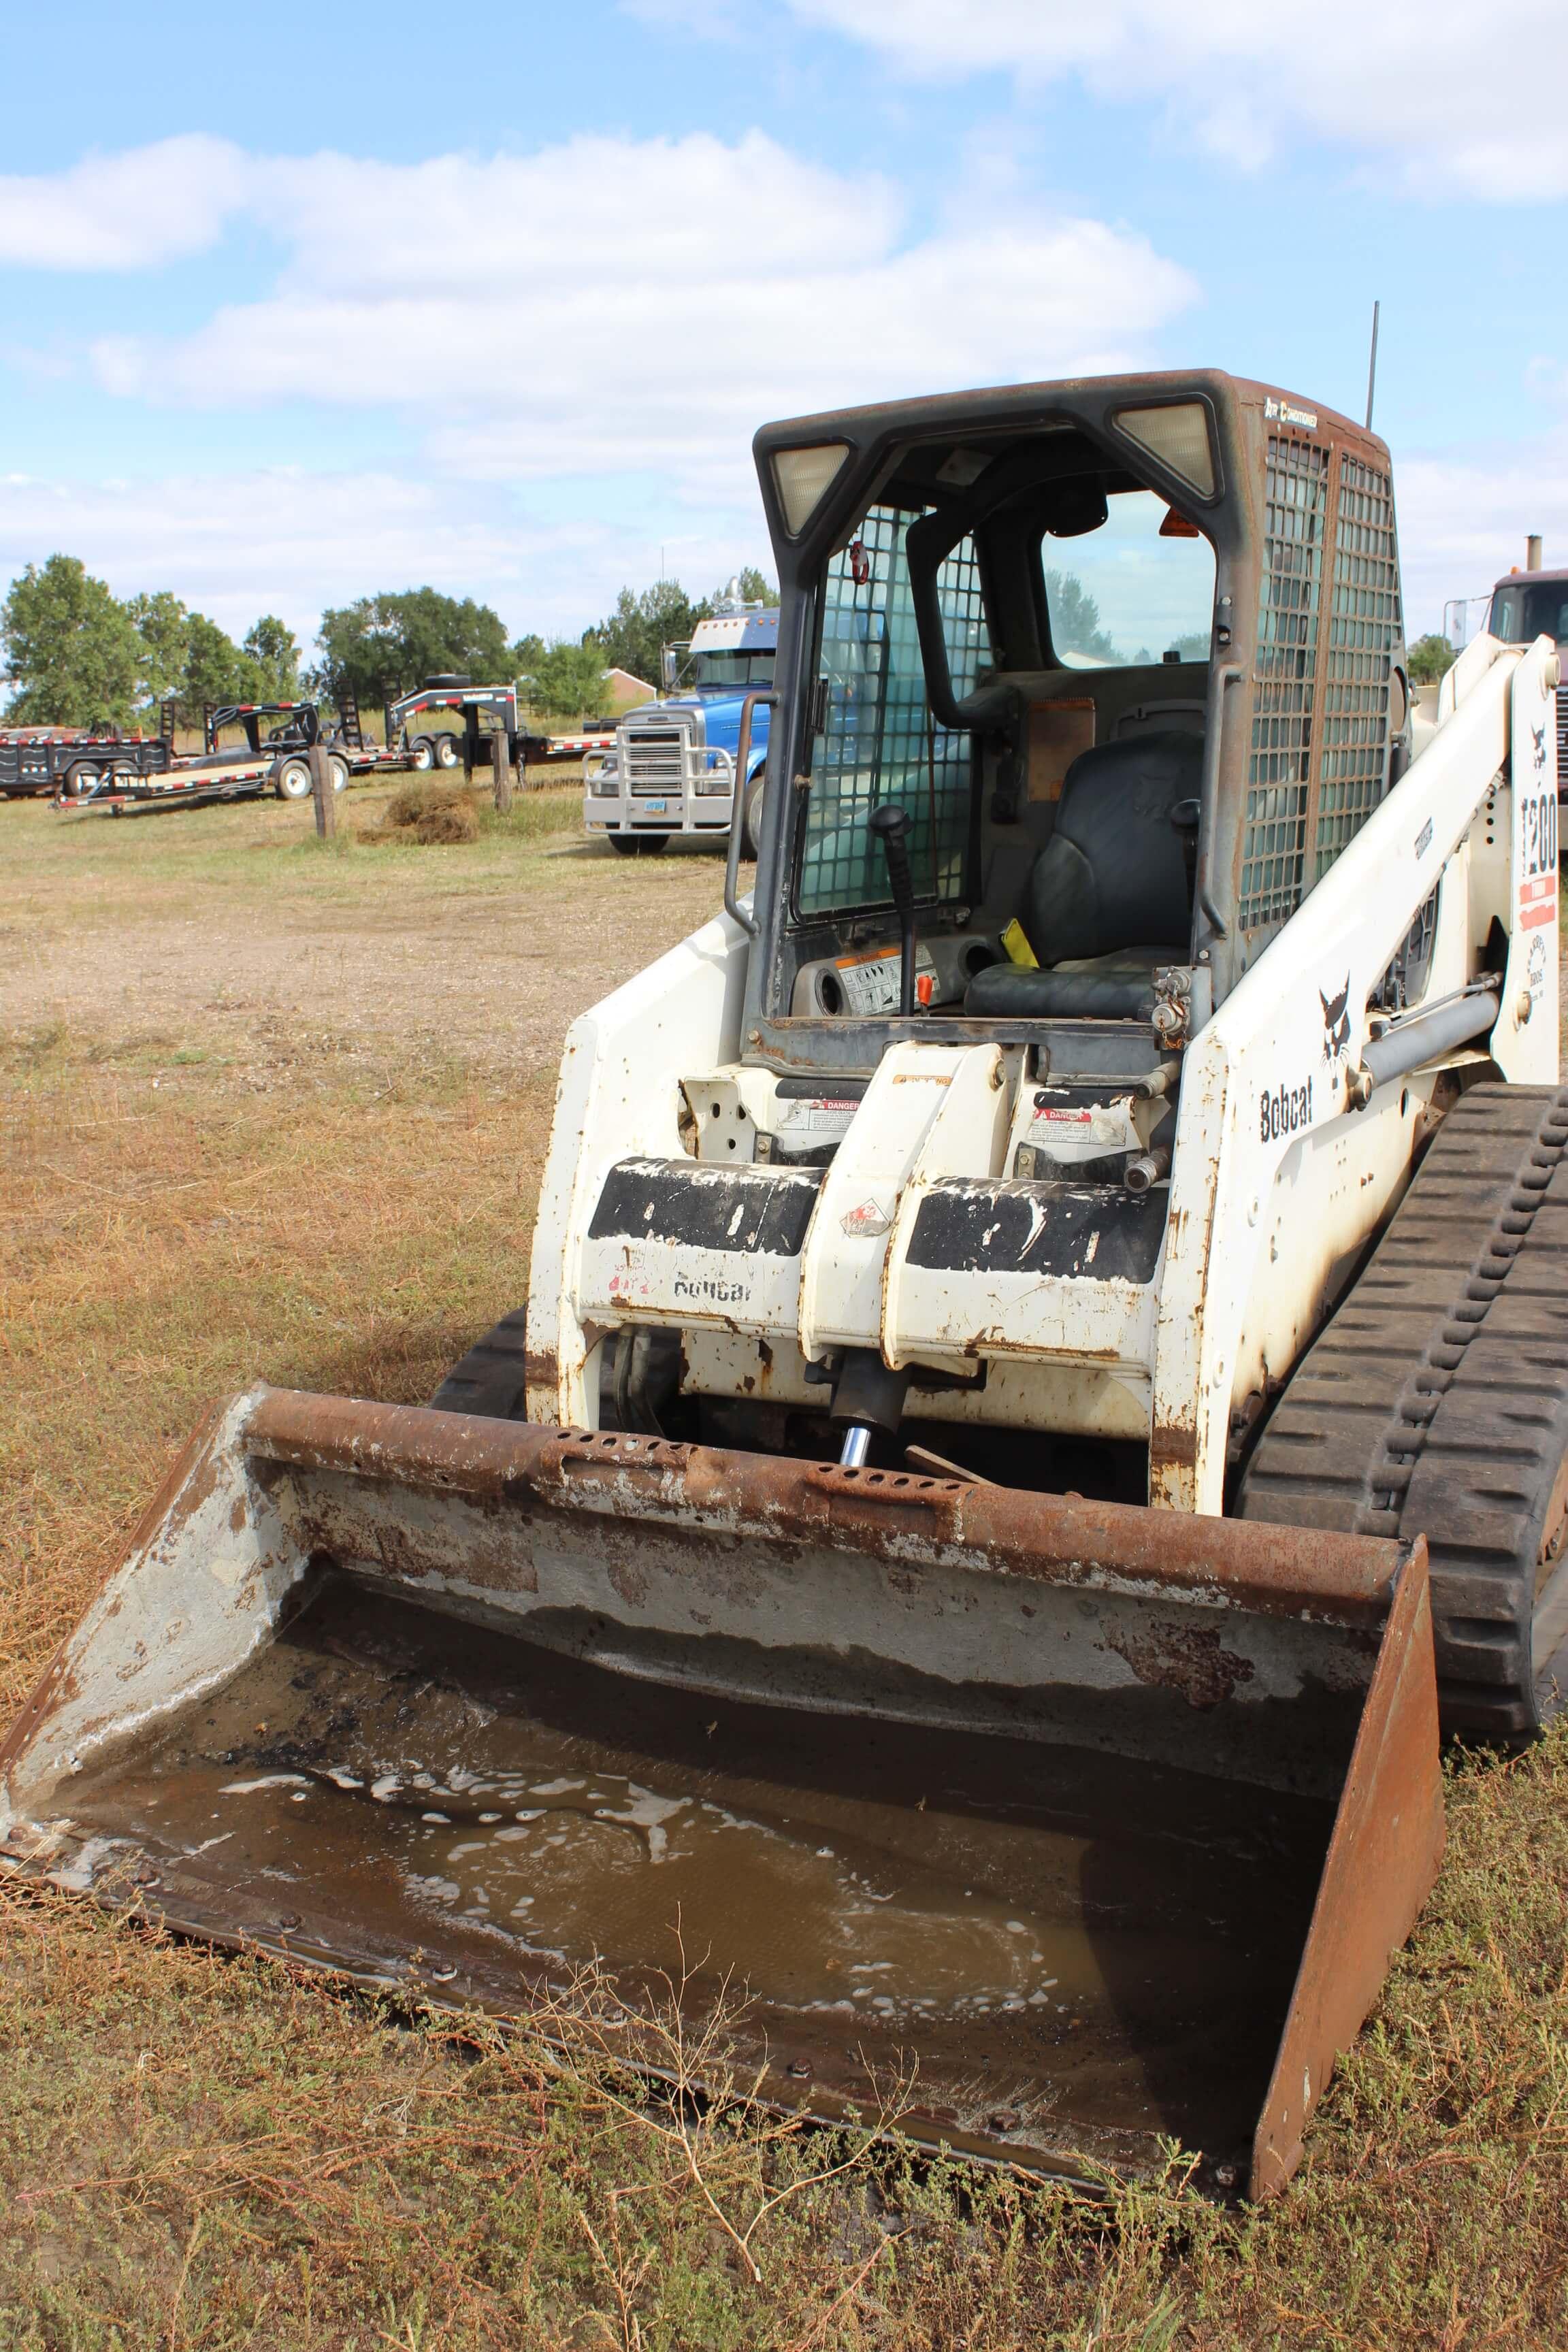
752	818
79	777
420	753
291	780
447	754
339	769
491	1380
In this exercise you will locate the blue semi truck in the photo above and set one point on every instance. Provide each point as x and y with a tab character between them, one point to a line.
672	768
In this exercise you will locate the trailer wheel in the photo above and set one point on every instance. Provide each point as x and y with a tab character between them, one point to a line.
420	754
338	770
446	752
291	780
80	777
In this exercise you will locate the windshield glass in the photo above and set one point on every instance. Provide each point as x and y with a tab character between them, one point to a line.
731	670
879	741
1521	612
1130	591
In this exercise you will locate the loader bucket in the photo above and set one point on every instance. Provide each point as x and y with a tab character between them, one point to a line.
1090	1825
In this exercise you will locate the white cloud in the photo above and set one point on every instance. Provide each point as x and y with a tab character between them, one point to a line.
603	324
503	304
1463	520
132	211
291	542
1436	88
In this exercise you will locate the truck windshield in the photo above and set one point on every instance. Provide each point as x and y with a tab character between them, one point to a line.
1523	610
733	669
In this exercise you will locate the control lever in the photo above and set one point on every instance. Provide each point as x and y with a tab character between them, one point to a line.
890	824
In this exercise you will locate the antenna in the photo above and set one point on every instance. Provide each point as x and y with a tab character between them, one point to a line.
1371	366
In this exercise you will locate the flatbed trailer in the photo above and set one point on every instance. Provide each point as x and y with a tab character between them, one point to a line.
482	711
35	761
195	786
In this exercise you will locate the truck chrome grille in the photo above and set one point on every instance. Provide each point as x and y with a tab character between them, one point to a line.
653	758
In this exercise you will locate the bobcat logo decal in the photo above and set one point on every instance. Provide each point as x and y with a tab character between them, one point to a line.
1336	1022
1538	748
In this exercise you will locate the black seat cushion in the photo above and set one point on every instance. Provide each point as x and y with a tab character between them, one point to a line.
1109	890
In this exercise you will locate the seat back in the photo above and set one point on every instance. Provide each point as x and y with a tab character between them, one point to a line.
1113	874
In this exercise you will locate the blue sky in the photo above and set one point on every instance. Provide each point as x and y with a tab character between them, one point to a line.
305	302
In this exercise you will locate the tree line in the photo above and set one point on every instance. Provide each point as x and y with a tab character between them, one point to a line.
76	652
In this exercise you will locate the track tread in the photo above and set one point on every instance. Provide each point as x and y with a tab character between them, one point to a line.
1437	1401
491	1380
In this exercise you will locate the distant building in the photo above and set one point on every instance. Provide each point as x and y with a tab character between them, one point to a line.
621	689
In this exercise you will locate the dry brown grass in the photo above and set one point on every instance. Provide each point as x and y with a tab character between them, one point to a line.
198	2152
430	815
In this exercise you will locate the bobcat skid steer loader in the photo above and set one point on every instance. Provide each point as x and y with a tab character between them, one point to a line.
1037	1317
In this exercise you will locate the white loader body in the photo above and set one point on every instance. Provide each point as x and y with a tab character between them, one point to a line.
1276	1181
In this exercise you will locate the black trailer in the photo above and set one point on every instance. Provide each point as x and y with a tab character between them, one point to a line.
482	711
74	760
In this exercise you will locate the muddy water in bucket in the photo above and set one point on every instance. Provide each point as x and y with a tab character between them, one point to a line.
1074	1952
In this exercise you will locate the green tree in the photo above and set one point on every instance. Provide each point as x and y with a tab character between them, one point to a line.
640	626
274	659
381	645
216	670
163	634
69	646
1430	657
567	681
526	655
755	587
1074	619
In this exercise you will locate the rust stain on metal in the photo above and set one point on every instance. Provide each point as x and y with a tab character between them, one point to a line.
1174	1446
629	1580
1186	1658
1383	1858
891	1515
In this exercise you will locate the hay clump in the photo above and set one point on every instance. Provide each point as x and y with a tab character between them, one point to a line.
428	815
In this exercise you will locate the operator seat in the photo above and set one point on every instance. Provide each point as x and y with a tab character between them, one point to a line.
1108	898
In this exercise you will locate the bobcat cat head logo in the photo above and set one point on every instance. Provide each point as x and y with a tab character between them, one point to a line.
1538	748
1336	1022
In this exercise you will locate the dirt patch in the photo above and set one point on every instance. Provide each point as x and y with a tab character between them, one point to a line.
233	932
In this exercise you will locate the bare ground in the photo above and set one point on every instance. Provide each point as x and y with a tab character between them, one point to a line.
123	930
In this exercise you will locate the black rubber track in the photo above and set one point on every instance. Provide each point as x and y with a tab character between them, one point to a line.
491	1378
1436	1401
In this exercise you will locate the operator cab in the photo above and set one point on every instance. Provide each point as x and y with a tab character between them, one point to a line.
1012	628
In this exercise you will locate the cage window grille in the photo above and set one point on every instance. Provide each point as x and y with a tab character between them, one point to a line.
880	741
1274	845
1364	628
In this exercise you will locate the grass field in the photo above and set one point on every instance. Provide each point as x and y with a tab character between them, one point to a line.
278	1107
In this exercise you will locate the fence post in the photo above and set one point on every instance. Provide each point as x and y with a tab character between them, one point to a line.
322	792
501	756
